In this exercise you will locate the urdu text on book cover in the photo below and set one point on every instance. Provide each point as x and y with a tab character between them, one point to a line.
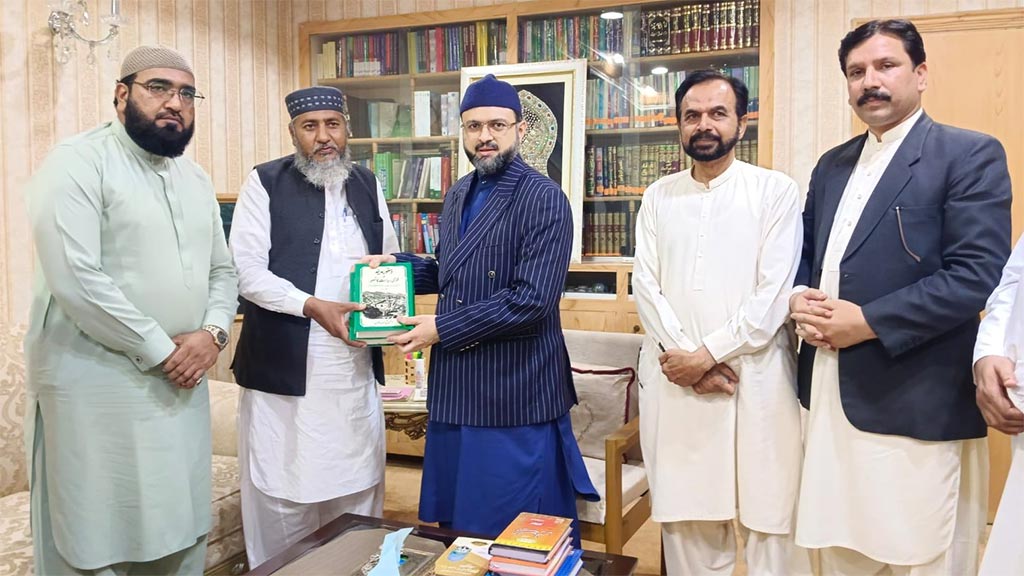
387	292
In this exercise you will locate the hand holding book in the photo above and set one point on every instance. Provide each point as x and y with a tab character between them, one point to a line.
423	335
333	317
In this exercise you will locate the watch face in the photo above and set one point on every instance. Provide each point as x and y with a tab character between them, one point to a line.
222	338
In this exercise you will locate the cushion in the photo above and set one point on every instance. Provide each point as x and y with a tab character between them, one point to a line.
607	400
634	485
225	538
15	538
13	468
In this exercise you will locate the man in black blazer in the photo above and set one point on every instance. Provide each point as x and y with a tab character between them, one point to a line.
906	229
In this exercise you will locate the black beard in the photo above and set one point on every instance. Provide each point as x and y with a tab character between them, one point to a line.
166	141
723	147
496	163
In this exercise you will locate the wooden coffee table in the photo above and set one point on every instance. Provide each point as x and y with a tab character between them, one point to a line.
596	563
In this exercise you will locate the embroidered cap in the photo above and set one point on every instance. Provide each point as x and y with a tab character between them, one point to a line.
315	98
489	91
146	57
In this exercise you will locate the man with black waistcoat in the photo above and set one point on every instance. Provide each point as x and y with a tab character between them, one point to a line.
310	425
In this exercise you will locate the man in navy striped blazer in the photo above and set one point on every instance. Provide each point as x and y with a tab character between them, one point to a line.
499	439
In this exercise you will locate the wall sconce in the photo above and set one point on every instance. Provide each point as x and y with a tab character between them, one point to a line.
67	15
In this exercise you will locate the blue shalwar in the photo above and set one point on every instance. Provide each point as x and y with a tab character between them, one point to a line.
478	479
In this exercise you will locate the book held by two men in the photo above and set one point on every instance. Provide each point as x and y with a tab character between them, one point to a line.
387	291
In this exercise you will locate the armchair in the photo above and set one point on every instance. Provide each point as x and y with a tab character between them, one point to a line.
607	427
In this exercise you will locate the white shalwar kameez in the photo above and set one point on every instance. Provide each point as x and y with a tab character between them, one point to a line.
1002	334
305	460
713	267
877	503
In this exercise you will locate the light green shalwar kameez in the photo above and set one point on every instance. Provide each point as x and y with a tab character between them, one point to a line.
131	252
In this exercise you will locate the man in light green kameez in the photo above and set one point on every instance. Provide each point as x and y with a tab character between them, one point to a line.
134	292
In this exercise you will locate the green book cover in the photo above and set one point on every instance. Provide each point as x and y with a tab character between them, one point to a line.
387	291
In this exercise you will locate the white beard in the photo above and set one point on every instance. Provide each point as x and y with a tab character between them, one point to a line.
324	173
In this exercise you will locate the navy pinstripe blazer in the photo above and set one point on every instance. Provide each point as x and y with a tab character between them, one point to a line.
501	360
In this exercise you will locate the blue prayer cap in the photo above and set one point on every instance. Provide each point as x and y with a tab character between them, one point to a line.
489	91
315	98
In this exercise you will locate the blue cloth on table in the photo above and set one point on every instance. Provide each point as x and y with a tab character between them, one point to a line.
476	198
478	479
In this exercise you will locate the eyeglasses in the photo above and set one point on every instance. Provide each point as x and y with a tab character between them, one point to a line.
189	96
493	126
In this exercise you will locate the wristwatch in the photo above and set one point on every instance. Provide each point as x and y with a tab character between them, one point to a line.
220	337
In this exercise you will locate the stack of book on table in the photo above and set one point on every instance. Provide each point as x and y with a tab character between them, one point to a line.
536	545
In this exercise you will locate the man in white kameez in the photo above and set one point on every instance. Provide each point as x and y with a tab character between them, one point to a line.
717	249
310	426
133	297
907	227
998	372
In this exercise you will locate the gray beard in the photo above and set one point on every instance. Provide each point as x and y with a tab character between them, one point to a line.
324	173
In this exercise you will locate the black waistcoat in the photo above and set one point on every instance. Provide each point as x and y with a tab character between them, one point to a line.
271	351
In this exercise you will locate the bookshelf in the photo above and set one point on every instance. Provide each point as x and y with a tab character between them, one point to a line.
635	63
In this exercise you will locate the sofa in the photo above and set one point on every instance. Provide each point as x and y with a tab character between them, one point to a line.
226	546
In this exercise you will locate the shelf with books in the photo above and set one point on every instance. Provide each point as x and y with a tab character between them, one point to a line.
399	140
644	30
635	66
653	131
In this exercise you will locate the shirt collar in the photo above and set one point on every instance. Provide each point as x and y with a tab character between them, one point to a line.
719	180
154	160
897	133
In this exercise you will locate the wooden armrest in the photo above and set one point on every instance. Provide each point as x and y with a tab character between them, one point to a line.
622	440
616	445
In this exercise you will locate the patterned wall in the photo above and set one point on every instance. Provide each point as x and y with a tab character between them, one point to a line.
245	56
244	53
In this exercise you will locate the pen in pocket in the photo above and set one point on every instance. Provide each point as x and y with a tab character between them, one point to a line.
660	347
903	238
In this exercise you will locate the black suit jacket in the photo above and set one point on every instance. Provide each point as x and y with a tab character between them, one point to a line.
924	256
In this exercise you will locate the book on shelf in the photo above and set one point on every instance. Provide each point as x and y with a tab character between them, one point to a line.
699	27
454	46
387	292
651	31
417	232
465	557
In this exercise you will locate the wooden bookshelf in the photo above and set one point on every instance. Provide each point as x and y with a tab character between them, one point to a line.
587	310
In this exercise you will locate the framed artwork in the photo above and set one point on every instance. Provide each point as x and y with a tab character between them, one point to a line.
553	96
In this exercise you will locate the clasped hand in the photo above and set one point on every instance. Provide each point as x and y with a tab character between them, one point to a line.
698	370
828	323
195	353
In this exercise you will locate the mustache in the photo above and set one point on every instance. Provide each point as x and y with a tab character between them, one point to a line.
873	94
706	136
486	146
326	147
171	115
